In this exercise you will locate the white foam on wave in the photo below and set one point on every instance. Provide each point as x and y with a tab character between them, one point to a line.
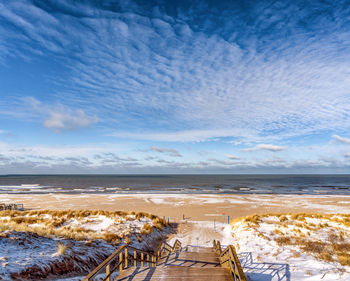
22	186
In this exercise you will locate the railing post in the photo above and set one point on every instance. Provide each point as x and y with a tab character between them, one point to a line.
120	262
126	257
151	260
108	271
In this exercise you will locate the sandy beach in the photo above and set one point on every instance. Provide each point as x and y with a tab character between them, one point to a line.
203	207
261	256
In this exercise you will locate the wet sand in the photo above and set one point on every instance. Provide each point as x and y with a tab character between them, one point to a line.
203	207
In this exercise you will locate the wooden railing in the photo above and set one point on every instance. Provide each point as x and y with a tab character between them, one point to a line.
4	207
228	258
121	257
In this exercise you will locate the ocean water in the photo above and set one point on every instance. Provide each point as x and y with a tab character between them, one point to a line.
215	184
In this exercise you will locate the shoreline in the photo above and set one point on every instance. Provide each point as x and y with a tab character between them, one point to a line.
197	207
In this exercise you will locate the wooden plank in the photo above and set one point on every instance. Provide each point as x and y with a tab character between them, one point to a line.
199	257
194	249
175	273
108	271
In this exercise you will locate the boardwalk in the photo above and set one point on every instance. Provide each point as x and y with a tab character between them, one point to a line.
171	263
191	263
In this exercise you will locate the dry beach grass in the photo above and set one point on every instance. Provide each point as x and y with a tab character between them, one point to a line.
325	236
40	243
71	224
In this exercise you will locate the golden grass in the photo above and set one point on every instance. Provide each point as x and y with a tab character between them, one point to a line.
334	248
283	218
254	219
344	259
56	223
146	229
111	237
61	249
158	223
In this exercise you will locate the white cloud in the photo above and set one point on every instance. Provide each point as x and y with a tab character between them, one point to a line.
57	150
229	163
59	117
72	120
137	62
232	157
340	139
268	147
102	158
169	151
148	74
186	136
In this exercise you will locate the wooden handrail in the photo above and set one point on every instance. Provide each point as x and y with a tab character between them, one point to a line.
121	256
228	258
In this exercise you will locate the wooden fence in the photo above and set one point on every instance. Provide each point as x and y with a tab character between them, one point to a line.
127	256
4	207
228	258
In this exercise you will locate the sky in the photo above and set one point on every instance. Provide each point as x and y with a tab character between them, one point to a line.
174	87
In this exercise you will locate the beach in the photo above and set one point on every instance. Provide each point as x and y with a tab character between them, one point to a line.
195	207
197	219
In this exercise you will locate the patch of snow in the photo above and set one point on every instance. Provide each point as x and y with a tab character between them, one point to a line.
262	258
24	251
99	223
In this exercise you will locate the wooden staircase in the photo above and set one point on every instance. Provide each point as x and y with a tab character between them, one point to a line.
170	263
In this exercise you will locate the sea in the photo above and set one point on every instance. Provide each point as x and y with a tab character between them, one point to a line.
176	184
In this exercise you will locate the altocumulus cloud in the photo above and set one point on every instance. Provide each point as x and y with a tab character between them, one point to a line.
340	139
232	157
268	147
64	120
187	135
59	117
169	151
194	72
94	159
176	69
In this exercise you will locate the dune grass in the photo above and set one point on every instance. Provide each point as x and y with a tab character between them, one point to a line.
57	223
61	249
324	236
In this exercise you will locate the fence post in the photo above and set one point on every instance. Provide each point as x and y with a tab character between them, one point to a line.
108	270
121	262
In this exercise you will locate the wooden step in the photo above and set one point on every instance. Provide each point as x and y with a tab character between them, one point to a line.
191	259
198	257
174	273
195	249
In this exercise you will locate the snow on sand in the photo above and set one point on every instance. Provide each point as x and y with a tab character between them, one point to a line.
266	253
29	241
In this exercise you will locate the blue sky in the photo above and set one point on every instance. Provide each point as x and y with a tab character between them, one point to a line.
174	87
